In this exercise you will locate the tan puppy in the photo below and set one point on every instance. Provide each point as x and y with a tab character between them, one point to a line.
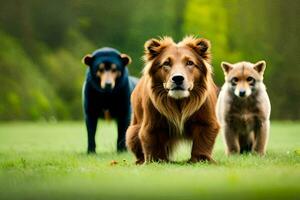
243	108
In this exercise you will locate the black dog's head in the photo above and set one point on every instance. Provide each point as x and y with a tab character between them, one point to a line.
106	66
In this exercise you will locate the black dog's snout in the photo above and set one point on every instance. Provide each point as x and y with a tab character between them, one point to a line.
178	79
108	86
242	93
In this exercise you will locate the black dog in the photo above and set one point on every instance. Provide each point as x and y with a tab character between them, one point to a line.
106	92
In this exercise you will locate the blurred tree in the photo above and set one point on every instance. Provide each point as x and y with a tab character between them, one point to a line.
25	94
152	19
42	43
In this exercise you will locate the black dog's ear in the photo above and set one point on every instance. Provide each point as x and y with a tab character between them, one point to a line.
126	60
88	59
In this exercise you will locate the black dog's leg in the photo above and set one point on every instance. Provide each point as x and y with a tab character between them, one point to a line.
123	123
91	125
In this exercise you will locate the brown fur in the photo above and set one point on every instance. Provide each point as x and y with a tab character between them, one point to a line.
161	117
244	120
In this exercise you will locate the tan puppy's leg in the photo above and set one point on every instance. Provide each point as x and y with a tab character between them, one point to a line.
232	141
261	138
203	142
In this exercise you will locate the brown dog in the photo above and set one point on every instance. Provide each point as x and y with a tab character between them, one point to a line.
243	108
175	99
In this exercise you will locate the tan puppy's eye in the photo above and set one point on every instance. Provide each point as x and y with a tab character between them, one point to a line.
101	70
250	79
234	80
113	70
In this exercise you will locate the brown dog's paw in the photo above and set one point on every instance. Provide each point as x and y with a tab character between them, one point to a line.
202	158
139	161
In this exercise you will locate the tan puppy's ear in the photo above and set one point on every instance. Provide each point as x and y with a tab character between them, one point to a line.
260	67
227	67
126	60
152	49
87	60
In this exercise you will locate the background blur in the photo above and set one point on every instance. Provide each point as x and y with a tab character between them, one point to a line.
42	43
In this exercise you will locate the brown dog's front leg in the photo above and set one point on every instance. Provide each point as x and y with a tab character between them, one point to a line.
133	143
203	142
154	145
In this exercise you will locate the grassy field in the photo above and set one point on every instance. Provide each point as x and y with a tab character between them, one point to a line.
48	161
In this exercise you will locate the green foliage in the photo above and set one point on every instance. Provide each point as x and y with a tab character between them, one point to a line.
43	42
26	95
48	160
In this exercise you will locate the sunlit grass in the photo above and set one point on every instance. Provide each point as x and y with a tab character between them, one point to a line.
46	161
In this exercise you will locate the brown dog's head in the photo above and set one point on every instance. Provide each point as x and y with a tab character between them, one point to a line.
177	69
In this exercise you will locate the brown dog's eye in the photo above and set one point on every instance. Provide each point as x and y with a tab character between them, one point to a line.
250	79
167	63
189	63
113	70
101	70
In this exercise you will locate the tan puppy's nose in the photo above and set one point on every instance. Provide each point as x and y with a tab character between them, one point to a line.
242	93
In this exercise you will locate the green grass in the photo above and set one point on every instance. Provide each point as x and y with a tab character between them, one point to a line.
48	161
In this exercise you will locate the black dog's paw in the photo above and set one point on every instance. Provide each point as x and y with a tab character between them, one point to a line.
121	150
91	151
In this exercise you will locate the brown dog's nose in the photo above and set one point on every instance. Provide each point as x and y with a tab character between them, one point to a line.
178	79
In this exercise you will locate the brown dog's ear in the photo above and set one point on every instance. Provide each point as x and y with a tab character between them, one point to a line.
201	46
260	67
126	60
88	59
227	67
152	49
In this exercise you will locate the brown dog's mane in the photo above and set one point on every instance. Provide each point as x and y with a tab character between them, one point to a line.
176	111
